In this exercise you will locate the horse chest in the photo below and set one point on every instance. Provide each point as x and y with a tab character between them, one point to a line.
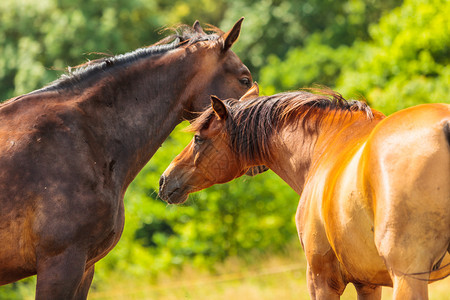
103	246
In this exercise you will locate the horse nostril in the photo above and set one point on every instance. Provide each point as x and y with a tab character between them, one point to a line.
162	179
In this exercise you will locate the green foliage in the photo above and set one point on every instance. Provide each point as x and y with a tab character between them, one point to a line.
274	27
50	34
403	62
18	290
407	60
315	63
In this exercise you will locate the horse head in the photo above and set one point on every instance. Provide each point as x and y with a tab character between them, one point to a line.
208	159
220	71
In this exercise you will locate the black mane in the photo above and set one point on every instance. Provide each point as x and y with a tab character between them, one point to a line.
184	36
252	123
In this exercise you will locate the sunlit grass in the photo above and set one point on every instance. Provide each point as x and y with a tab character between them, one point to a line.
267	277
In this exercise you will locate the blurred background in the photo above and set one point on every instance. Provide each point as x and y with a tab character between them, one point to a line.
238	239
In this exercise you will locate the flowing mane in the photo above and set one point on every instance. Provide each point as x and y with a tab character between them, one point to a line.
251	123
184	36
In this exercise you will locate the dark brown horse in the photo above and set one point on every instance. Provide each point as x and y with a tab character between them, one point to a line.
375	191
70	150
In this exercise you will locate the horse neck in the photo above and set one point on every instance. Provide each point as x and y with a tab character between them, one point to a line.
132	111
296	151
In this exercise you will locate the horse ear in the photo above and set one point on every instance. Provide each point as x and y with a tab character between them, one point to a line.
219	108
252	93
231	36
197	27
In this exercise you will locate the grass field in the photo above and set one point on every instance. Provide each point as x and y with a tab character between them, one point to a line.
280	277
275	277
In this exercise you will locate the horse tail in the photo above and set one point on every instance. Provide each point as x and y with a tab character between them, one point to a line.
442	269
447	131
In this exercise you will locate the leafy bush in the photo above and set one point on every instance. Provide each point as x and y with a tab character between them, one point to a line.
404	62
407	61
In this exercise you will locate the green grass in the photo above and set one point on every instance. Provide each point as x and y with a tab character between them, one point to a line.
274	277
267	277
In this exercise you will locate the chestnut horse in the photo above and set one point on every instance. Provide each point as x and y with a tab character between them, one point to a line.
375	190
70	150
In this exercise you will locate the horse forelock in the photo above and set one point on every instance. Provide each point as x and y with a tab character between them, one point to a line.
184	36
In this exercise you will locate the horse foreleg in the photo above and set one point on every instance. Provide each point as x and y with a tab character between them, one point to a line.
319	287
59	276
324	277
366	292
85	284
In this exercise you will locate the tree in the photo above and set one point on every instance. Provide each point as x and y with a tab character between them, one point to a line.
407	61
403	62
274	27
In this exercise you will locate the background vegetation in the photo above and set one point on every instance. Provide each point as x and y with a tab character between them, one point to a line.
394	53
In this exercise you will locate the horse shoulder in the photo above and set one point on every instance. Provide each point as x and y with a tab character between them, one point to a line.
50	173
321	257
309	219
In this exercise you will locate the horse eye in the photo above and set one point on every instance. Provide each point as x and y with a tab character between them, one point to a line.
198	140
245	81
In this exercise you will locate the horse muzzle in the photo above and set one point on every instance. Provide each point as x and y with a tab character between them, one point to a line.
171	192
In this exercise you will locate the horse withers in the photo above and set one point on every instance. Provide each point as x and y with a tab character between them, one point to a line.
375	190
70	150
